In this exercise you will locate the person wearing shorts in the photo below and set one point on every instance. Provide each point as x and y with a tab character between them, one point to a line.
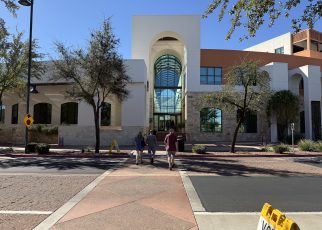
170	146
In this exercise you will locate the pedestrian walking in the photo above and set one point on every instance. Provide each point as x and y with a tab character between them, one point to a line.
151	141
139	146
170	146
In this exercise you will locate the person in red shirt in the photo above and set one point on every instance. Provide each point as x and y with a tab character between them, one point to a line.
170	146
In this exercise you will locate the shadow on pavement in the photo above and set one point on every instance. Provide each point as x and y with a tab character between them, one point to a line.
230	167
59	163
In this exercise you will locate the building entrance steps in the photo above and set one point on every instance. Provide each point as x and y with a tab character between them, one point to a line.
134	197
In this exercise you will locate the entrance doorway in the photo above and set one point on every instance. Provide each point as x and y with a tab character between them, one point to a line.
167	103
164	122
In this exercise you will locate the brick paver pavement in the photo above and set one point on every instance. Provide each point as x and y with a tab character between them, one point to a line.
134	197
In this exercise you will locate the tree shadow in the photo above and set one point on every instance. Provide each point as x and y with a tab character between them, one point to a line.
232	168
59	163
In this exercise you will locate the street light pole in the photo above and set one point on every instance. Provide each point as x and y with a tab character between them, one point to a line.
31	4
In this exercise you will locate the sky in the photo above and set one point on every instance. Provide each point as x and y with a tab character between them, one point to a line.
71	21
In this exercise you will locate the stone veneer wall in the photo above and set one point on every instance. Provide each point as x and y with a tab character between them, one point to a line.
228	125
85	135
12	134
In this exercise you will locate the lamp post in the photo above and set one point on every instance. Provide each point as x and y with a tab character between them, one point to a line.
31	4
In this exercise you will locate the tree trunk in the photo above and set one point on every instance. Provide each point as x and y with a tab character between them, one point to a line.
97	129
232	149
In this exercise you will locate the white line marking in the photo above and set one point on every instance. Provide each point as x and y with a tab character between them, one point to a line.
252	213
194	199
25	212
62	211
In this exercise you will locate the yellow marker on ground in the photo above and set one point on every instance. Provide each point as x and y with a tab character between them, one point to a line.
114	145
274	219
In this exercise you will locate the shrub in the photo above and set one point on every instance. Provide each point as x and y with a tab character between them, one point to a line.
307	145
266	149
318	146
42	148
6	150
200	149
88	149
31	147
281	148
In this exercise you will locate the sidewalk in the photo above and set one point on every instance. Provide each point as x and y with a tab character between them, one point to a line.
134	197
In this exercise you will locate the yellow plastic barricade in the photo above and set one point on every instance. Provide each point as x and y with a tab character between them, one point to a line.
274	219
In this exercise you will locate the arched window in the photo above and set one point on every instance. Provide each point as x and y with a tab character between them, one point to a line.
42	113
69	113
106	114
211	120
2	112
167	103
14	114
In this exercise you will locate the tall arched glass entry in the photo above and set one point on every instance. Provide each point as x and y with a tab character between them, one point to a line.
167	105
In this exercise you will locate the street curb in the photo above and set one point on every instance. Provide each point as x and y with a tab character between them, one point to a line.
178	155
246	155
119	155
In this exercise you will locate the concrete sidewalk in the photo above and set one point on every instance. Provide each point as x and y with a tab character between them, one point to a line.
134	197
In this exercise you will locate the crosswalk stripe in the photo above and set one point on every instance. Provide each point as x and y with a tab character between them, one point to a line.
25	212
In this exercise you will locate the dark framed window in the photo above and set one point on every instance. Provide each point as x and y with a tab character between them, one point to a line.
279	50
2	113
302	122
42	113
211	120
14	114
106	114
249	125
69	113
210	75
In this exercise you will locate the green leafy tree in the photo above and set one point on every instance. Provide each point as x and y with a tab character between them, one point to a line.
252	14
14	63
10	5
246	88
285	105
97	72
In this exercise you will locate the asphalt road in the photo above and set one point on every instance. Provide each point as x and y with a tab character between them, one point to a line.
248	194
56	165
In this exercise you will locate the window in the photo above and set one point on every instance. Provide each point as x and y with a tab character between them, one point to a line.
14	114
211	120
302	122
2	112
42	113
279	50
249	125
106	114
69	113
210	75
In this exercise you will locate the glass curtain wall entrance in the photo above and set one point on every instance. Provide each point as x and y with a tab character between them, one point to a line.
167	106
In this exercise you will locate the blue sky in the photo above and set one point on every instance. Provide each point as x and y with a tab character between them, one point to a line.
71	21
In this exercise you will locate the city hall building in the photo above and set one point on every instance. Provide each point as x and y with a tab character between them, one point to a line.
170	74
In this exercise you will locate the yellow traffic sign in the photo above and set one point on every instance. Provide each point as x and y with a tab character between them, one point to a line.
28	120
273	219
